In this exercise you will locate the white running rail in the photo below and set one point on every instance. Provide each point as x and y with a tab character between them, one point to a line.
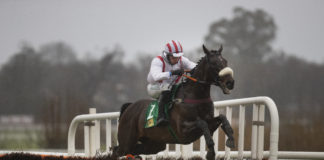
92	133
257	143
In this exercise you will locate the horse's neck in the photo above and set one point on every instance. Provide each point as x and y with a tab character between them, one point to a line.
197	90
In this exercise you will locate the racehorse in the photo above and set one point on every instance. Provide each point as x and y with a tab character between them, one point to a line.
190	117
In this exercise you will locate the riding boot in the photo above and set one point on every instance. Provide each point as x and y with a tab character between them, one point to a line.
163	100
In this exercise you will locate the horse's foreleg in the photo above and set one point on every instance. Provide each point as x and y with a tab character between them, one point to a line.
208	137
222	120
213	124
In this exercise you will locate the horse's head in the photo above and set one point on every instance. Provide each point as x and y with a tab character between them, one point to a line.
217	70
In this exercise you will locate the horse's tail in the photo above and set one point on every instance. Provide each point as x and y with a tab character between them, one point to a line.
123	108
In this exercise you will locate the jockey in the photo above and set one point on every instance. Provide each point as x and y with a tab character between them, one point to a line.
165	69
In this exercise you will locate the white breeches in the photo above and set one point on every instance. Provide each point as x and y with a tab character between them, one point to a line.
154	90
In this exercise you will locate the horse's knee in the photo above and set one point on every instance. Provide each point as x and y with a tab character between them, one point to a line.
224	120
222	117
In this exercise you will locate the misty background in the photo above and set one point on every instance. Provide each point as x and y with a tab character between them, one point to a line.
58	58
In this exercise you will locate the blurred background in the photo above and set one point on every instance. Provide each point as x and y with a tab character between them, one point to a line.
58	58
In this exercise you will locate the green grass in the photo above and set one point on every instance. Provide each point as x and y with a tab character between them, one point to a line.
21	139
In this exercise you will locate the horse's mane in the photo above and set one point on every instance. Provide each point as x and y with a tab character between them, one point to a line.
198	64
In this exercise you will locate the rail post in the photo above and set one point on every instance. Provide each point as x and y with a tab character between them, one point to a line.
91	135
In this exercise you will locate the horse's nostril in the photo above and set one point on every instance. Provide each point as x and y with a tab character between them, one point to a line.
230	84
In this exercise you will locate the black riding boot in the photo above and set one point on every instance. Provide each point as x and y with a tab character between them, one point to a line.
163	100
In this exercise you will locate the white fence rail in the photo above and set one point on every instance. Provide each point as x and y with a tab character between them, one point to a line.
92	133
257	137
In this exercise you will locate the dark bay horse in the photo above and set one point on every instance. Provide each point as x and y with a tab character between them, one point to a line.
189	119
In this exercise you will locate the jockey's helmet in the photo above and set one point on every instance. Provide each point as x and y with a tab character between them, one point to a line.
173	48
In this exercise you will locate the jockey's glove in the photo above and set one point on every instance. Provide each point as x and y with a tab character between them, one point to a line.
178	72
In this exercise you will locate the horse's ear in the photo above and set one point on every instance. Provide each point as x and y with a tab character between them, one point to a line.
206	50
220	49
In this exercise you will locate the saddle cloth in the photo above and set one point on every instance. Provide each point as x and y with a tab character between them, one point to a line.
152	114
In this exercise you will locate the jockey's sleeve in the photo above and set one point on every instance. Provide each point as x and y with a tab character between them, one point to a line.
187	64
156	70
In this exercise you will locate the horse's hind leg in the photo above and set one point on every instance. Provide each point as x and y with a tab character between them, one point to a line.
127	138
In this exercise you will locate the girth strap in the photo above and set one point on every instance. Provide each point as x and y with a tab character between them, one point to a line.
197	101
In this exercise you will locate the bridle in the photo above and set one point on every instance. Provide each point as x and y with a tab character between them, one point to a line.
215	82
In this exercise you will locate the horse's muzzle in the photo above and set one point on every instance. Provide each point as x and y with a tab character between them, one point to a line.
230	84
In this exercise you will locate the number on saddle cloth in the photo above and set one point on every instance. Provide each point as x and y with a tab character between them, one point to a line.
152	114
153	109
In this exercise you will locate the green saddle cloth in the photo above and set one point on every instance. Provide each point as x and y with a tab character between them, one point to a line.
152	114
152	111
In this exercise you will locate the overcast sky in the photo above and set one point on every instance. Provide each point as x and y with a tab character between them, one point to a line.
146	25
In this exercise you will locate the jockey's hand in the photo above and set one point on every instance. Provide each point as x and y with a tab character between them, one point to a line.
178	72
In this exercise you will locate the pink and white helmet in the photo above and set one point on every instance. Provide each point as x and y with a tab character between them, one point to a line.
173	48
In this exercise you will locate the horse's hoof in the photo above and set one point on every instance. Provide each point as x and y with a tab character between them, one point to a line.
230	143
210	156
